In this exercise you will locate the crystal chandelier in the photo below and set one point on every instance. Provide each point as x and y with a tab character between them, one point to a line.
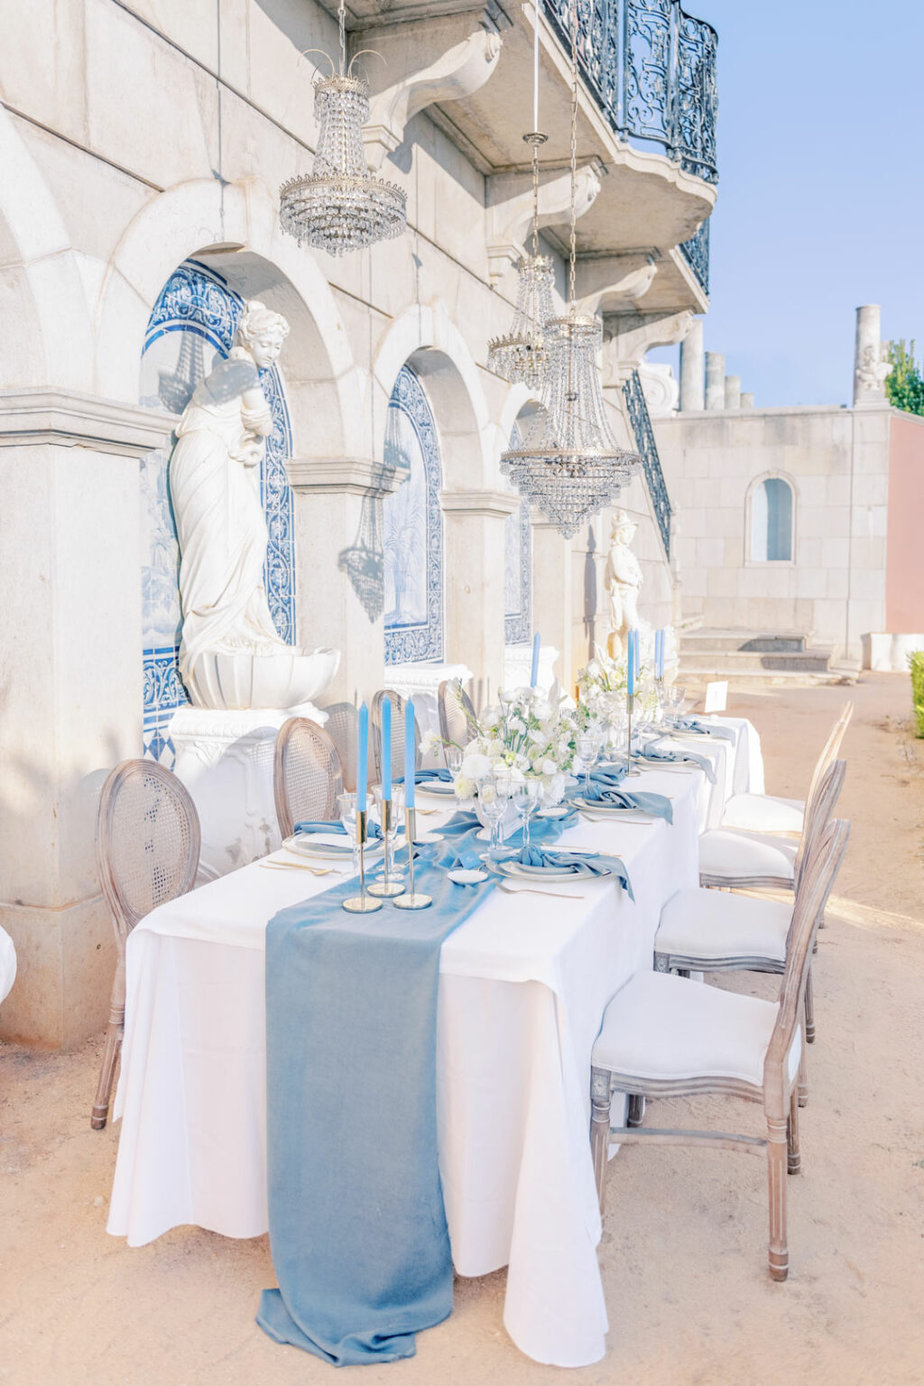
569	465
522	356
340	206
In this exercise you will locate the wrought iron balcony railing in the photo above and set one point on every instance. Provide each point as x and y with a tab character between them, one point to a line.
651	69
647	449
696	253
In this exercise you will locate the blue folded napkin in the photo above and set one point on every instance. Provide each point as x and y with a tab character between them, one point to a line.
308	827
694	724
580	863
611	773
425	776
654	753
658	805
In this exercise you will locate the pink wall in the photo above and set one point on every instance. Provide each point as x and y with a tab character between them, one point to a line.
905	551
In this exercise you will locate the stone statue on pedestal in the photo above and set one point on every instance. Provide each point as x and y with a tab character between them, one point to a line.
230	653
622	581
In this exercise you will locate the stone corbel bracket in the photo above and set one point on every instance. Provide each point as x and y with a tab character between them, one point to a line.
628	336
457	73
357	476
613	284
510	210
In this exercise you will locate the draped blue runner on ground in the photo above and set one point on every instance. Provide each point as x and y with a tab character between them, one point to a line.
357	1225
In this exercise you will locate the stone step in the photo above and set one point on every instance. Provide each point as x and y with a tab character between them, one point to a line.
841	673
811	661
747	640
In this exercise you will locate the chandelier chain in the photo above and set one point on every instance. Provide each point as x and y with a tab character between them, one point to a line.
574	108
341	28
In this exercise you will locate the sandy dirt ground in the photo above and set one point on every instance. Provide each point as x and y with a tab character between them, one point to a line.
684	1248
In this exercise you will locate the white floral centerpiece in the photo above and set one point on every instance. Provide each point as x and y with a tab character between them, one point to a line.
524	738
603	692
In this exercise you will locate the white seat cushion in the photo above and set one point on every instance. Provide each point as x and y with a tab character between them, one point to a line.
669	1028
726	852
763	813
709	924
7	964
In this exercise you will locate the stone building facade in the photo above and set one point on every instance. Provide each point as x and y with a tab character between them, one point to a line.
143	144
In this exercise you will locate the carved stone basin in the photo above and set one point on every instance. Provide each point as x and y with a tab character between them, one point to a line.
278	680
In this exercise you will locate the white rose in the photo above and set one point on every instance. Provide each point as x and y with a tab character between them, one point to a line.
475	765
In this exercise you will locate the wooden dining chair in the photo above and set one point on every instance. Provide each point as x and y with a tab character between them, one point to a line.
397	733
458	719
666	1036
704	930
307	774
147	852
767	813
342	726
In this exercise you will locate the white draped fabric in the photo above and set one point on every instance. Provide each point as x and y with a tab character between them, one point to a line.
523	985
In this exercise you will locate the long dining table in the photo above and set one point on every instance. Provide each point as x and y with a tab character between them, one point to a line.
522	990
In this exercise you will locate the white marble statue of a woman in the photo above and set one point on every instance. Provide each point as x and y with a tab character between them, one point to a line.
215	488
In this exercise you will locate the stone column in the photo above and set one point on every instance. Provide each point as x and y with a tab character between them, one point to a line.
473	529
554	597
692	391
747	400
868	373
733	392
715	380
341	567
70	635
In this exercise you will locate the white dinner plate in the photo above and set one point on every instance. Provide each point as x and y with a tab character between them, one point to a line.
516	871
326	846
436	788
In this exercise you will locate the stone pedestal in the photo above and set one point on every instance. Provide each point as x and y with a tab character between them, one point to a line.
869	372
225	760
554	597
70	636
733	392
692	382
715	380
422	683
518	664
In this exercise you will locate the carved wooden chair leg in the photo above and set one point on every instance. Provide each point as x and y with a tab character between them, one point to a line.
802	1082
636	1109
794	1155
809	1009
111	1052
600	1127
776	1172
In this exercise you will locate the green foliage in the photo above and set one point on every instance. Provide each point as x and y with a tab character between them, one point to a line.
916	664
904	386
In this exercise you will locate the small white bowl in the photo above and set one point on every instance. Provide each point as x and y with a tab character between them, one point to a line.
466	876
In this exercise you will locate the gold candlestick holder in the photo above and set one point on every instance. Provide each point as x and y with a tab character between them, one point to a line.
361	903
387	888
630	699
411	900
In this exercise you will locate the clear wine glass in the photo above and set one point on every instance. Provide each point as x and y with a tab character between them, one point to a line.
590	743
347	806
676	696
493	803
526	798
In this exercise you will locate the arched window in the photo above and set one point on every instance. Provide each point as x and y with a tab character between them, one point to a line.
413	529
193	321
517	569
771	521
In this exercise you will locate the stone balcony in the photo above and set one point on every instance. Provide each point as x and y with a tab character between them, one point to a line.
646	123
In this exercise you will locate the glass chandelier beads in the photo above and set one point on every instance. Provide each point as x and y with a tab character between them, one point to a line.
340	206
569	465
522	356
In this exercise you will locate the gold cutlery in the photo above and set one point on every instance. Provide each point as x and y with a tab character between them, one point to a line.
301	866
531	890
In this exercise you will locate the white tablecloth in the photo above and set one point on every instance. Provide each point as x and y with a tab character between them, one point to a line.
523	985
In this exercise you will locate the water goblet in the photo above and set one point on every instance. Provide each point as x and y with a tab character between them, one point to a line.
526	798
346	805
493	804
676	697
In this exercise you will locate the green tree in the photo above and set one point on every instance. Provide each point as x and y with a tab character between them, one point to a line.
904	386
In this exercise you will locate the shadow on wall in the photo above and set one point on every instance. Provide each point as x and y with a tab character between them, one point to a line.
590	592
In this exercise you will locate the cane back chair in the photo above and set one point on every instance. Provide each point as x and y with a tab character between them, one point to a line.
398	705
307	776
666	1036
147	852
458	719
342	726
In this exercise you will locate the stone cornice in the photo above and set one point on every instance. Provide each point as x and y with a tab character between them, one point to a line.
68	419
494	504
355	476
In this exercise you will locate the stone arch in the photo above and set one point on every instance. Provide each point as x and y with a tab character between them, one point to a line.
233	229
425	339
776	543
52	344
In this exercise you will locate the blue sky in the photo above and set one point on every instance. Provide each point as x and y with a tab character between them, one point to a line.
821	191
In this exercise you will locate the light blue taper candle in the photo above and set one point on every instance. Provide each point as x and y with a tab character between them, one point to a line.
534	671
362	760
386	748
410	754
630	664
